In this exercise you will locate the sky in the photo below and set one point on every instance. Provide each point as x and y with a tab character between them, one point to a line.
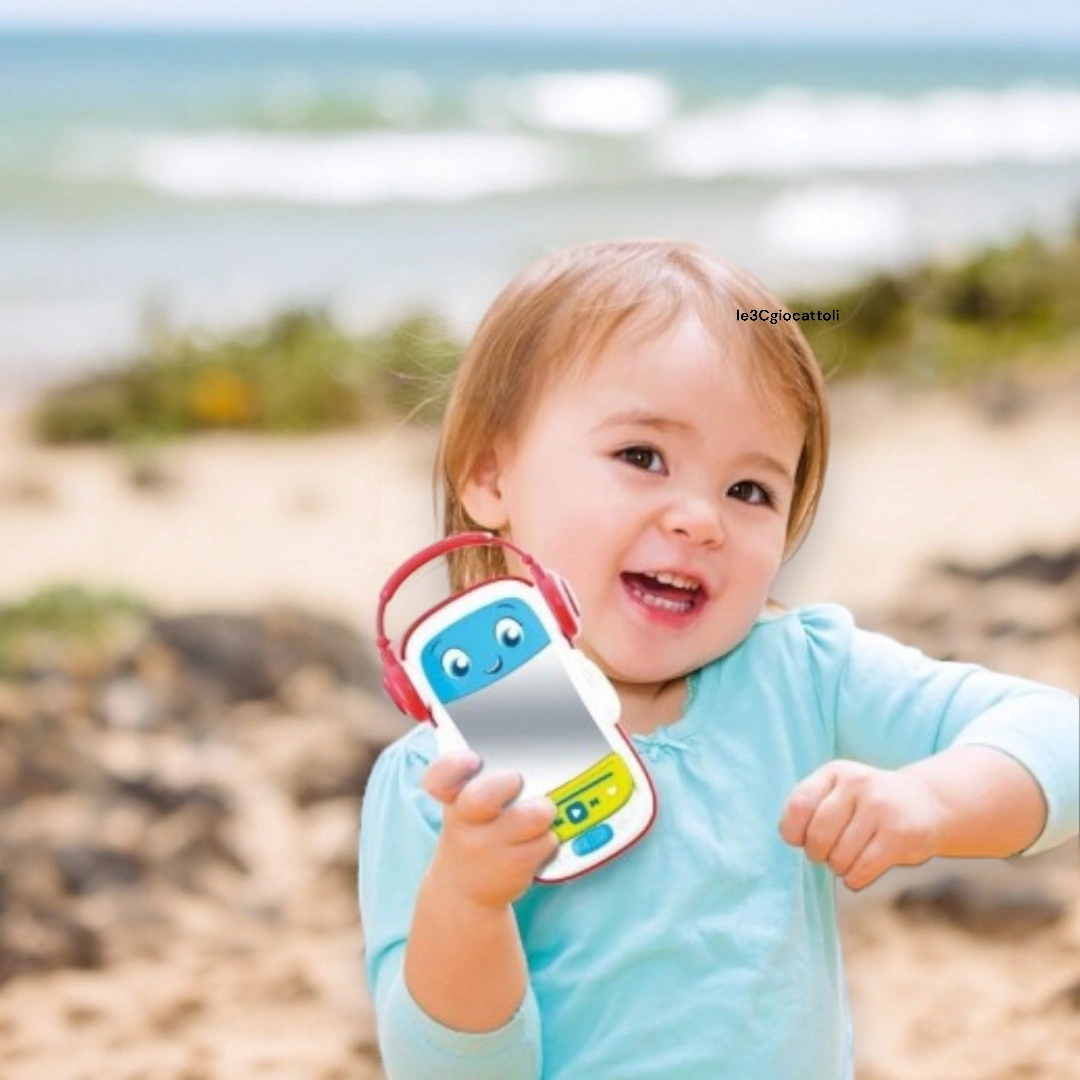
1037	21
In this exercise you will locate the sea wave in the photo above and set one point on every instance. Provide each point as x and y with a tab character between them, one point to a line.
790	131
610	102
370	167
842	223
593	102
784	133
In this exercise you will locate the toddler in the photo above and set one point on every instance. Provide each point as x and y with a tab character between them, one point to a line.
616	419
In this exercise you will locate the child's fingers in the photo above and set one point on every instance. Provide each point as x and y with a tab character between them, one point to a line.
803	801
527	820
828	822
485	797
872	862
535	853
861	830
446	777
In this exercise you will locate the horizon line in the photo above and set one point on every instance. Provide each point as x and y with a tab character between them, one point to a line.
538	31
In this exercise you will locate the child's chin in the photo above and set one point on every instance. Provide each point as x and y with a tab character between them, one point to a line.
631	664
644	672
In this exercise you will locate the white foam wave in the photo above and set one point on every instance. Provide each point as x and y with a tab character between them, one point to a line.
838	223
792	131
594	102
329	170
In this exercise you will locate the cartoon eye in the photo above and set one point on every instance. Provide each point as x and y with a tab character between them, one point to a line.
455	662
509	632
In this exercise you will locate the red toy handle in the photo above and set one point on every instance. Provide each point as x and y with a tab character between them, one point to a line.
555	591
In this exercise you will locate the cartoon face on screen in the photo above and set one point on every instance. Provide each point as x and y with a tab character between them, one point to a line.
482	648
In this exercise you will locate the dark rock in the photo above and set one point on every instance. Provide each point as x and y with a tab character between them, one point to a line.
150	476
1068	997
1030	566
250	657
203	846
34	938
46	763
981	909
88	869
87	786
28	875
164	798
323	775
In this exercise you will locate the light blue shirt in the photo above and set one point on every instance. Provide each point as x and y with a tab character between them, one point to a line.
709	950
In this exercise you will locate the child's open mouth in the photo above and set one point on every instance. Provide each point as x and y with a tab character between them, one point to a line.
664	592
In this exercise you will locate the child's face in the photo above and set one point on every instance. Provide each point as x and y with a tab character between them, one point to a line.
652	462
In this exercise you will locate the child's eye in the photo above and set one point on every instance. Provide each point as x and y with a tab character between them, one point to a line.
751	492
642	457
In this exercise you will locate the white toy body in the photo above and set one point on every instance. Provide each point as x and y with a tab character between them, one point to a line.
500	678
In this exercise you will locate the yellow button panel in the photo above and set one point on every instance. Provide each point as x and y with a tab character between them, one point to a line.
591	796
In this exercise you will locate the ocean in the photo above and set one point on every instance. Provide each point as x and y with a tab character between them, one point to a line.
212	178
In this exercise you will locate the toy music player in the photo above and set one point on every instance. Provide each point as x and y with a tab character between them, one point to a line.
494	669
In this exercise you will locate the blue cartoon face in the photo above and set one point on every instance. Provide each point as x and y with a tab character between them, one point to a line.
481	648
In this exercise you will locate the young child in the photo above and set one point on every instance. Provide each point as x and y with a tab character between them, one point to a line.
615	418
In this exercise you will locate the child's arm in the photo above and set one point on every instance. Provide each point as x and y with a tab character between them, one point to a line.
985	764
464	963
399	836
991	806
967	801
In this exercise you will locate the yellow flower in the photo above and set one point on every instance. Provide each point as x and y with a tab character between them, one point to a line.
221	397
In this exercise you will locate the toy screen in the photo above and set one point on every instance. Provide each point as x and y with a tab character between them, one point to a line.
502	682
533	721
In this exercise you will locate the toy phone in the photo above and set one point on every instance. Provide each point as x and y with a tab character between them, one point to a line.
494	669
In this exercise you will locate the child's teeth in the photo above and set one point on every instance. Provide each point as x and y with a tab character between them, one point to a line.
674	579
662	602
680	606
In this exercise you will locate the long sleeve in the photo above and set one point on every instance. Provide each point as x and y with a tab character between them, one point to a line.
891	705
398	833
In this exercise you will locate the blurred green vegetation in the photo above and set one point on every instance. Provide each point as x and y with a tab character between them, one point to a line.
60	624
298	373
940	323
936	323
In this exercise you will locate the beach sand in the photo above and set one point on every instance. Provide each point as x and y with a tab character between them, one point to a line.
322	520
237	523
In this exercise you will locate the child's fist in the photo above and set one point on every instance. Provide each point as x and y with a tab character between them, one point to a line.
862	820
488	851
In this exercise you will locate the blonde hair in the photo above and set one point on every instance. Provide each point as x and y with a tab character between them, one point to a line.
557	315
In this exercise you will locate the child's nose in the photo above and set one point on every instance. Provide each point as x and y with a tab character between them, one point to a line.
698	519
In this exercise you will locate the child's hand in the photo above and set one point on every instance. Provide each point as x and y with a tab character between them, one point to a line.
488	852
863	820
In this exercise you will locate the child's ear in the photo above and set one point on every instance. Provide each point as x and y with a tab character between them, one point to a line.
481	495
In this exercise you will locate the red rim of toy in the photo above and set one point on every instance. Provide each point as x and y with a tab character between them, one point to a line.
476	538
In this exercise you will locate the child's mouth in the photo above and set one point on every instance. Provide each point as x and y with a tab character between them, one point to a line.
661	596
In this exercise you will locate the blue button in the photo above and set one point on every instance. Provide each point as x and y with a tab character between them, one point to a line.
595	838
576	812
